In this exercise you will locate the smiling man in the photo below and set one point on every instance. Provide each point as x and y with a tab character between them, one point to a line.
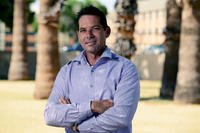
98	91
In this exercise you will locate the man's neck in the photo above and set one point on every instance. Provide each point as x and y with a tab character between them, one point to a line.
92	58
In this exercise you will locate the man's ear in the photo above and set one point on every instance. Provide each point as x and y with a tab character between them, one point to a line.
108	30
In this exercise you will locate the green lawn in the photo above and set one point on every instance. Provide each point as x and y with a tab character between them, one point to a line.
20	113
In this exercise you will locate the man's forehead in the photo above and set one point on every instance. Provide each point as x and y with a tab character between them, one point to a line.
89	20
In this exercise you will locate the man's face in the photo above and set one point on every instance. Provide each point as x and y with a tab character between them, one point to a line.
91	34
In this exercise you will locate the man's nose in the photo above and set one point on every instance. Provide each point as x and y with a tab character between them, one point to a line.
90	33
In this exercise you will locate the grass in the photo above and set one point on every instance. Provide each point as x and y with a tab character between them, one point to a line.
20	113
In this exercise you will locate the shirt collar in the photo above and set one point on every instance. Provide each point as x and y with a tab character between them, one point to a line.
82	59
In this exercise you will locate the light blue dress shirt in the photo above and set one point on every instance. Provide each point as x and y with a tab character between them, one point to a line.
112	77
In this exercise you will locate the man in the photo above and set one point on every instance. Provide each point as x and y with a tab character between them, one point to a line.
98	91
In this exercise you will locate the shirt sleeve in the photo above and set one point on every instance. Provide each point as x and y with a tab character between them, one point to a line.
121	114
64	115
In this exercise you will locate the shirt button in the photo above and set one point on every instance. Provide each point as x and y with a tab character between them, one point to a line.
91	86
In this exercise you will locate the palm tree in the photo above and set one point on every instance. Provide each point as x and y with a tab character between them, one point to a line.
172	33
188	80
18	66
126	10
47	48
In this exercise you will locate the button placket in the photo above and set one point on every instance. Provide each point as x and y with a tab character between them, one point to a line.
92	83
92	78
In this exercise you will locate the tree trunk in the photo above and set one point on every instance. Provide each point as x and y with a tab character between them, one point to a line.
188	80
18	66
126	10
47	48
172	33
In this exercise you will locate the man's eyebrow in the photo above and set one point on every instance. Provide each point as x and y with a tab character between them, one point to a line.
97	26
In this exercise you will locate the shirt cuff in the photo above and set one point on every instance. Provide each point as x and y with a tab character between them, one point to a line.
85	110
87	126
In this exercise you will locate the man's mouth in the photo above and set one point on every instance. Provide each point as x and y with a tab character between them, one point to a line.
90	42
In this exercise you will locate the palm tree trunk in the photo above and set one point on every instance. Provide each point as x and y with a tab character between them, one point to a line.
126	10
18	66
172	33
188	81
47	49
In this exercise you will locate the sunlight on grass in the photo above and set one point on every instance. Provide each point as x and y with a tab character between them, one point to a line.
155	115
20	113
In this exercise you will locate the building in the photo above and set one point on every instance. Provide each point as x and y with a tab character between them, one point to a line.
6	50
150	22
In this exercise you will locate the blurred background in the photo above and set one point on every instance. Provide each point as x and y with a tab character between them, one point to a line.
161	37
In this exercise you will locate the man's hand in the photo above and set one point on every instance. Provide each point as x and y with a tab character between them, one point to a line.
62	100
101	106
96	106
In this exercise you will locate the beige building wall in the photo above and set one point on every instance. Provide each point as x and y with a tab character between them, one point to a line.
150	22
149	27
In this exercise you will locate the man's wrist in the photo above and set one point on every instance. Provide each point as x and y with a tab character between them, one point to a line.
91	106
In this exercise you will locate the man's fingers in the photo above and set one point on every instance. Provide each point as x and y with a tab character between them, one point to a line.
62	100
101	106
68	101
108	103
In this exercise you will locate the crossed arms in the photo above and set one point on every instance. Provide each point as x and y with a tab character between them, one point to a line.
97	107
112	115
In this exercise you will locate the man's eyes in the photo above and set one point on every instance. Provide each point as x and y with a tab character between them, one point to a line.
82	30
96	28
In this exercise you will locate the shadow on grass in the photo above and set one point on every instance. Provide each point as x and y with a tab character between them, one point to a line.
149	98
153	98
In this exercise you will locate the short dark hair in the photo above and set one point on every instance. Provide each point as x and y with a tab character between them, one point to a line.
91	10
